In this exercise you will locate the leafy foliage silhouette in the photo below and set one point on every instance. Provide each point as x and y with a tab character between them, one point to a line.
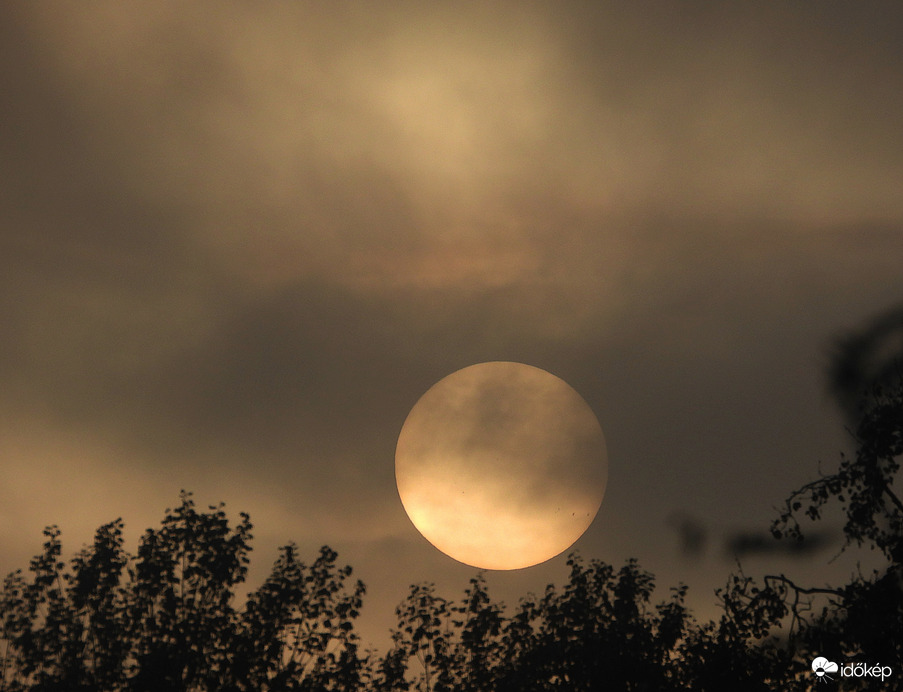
864	618
166	618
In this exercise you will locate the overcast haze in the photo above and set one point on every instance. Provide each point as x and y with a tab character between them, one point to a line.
239	241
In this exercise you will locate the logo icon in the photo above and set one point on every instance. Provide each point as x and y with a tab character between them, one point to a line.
821	666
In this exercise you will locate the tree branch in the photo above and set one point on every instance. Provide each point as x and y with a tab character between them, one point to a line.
799	589
894	498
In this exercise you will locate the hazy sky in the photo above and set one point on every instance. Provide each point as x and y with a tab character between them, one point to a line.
239	241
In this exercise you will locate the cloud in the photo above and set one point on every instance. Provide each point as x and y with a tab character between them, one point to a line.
692	534
745	543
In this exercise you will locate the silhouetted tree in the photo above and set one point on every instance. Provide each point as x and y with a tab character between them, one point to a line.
480	648
444	645
297	630
597	632
739	650
424	636
165	619
66	630
863	619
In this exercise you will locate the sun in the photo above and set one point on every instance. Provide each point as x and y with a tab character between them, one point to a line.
501	465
